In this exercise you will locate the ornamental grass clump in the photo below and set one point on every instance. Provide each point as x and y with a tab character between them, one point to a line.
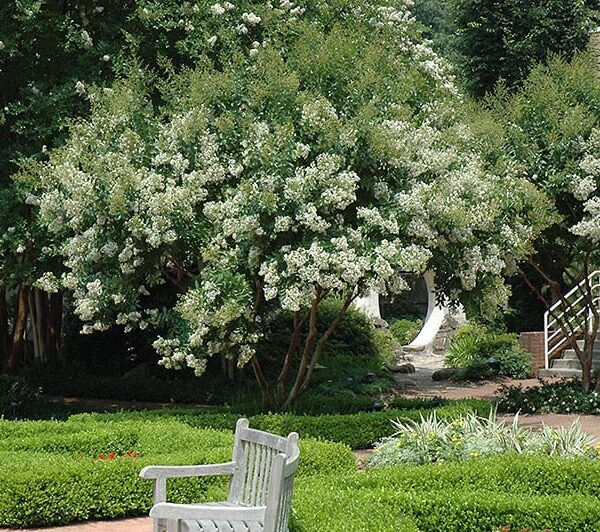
435	440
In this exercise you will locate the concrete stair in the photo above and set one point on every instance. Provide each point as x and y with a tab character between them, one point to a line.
568	364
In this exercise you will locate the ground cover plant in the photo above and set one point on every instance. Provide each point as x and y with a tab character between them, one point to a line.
481	352
562	397
470	436
404	330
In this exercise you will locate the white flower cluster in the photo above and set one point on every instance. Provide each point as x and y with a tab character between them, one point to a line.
585	188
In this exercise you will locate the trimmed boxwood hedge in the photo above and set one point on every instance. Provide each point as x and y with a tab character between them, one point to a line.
50	472
523	492
359	431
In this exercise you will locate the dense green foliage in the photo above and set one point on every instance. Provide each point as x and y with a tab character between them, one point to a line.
358	431
16	396
535	493
563	397
482	353
503	40
405	329
275	178
53	472
547	130
355	363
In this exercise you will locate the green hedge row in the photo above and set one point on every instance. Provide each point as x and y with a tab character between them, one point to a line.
50	472
531	493
358	431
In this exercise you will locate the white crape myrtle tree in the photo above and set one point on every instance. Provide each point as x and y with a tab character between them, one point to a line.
550	130
318	158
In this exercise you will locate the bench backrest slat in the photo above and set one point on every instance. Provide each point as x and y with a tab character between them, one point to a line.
264	473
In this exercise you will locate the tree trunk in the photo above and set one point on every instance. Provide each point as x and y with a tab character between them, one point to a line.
35	312
54	327
4	338
308	347
321	343
262	381
13	362
289	357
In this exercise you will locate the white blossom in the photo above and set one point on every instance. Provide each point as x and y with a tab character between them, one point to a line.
251	18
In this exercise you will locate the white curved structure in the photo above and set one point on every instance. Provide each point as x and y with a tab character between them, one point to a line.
435	316
369	305
434	319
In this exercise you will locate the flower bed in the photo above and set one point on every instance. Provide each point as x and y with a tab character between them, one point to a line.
468	437
563	397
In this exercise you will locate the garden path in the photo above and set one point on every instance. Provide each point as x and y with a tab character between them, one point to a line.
420	383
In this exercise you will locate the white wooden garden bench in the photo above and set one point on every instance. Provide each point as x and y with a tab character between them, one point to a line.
260	490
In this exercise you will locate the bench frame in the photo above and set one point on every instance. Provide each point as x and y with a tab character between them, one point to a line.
262	473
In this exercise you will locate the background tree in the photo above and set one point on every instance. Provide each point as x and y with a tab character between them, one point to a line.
548	131
48	50
503	40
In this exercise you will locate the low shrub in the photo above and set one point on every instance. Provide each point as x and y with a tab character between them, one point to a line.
512	491
59	472
483	353
562	397
358	431
334	506
405	330
43	487
345	379
384	342
469	437
17	397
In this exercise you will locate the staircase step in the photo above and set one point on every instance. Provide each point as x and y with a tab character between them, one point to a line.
559	372
570	354
561	363
596	344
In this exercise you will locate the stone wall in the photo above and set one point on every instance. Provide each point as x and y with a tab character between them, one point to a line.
533	342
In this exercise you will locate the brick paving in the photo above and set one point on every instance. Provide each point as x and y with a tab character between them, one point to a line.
138	524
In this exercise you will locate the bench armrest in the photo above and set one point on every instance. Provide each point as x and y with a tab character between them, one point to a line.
158	472
167	510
